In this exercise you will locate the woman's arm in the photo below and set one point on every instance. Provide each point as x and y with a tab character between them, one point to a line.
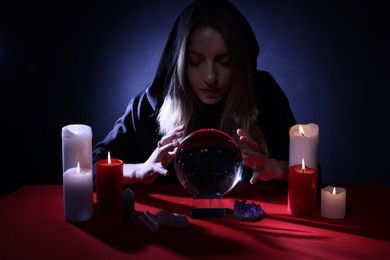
156	164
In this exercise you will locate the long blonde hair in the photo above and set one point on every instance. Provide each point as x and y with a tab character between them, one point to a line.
182	107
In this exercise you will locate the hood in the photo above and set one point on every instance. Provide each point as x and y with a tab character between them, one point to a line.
155	91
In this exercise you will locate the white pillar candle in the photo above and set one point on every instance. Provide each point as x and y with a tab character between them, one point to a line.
77	151
76	146
304	144
333	202
78	194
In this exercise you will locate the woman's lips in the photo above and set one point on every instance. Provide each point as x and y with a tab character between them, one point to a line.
211	90
212	93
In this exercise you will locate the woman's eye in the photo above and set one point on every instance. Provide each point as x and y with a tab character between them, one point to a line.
194	62
225	62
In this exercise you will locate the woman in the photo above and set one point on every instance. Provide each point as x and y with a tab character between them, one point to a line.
206	78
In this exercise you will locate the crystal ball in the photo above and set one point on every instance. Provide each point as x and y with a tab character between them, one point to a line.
208	163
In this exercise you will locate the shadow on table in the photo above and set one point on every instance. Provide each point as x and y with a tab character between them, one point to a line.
364	217
196	240
192	240
353	223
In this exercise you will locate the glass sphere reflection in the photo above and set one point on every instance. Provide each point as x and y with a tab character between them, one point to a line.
208	163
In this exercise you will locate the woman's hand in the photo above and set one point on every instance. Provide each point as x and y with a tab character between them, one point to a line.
156	164
263	168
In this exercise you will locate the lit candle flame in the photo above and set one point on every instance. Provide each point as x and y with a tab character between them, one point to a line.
303	165
109	159
334	191
78	167
301	131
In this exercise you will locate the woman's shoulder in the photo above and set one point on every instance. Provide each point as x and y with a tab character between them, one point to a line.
263	76
265	83
145	98
141	106
267	90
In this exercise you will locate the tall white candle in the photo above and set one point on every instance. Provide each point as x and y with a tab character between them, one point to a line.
76	146
333	202
304	144
78	194
77	186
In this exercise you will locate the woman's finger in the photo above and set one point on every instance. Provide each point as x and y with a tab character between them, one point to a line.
159	169
176	133
247	140
255	176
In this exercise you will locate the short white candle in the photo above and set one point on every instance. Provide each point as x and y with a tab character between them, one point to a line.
333	202
304	144
78	194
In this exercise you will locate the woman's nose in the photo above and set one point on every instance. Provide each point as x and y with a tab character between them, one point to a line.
211	76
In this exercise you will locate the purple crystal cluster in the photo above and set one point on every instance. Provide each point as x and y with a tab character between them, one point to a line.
244	210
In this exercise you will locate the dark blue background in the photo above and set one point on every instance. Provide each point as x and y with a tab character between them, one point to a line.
63	63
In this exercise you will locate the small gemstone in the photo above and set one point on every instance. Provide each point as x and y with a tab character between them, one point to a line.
149	221
172	219
243	210
128	206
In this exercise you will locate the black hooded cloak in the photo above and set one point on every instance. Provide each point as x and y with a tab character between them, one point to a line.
135	134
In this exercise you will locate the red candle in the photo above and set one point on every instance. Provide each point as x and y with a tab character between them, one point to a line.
109	184
302	190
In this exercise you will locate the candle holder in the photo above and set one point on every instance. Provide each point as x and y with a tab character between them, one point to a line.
77	172
208	164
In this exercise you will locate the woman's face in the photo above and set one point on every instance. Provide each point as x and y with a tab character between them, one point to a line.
207	65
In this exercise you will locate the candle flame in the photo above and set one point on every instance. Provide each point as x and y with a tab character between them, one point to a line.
303	165
78	167
301	131
109	159
334	191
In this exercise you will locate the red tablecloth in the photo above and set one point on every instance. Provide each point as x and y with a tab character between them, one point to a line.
32	226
